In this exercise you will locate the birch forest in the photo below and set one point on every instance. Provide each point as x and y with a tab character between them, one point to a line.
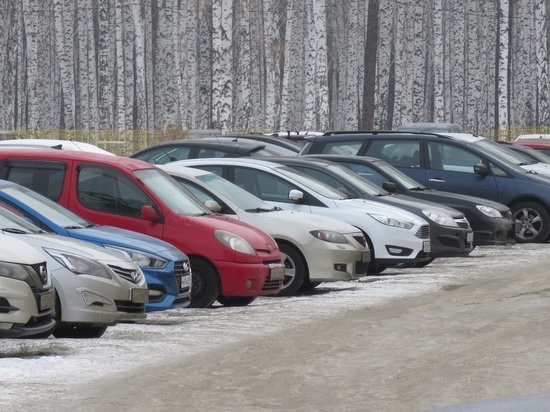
265	65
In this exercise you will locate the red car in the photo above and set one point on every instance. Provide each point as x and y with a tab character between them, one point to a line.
542	145
231	262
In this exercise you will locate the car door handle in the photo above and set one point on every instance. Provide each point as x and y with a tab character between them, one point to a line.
436	180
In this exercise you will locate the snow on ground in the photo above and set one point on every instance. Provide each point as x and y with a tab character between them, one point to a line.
25	365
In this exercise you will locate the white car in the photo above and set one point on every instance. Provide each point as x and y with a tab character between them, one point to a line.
394	235
314	248
95	288
27	297
55	144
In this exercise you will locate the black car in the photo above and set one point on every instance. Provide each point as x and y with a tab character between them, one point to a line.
450	232
458	163
492	222
280	145
205	147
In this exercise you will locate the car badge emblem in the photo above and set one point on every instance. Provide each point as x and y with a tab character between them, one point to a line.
134	275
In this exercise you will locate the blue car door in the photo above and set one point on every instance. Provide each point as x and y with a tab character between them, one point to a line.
450	168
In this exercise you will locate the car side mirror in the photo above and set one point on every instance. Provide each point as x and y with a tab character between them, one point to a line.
213	206
296	195
481	169
389	186
149	213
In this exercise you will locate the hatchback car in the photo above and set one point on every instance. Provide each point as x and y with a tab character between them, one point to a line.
27	297
231	262
451	234
541	145
394	235
94	287
315	248
530	154
462	164
166	268
492	222
205	147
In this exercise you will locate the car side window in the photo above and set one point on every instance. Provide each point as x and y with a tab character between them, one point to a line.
263	185
342	147
399	153
205	153
367	172
451	158
323	177
203	195
108	190
163	155
44	177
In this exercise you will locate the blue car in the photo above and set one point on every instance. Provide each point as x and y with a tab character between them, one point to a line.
166	268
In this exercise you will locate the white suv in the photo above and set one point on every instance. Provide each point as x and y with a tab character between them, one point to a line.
27	297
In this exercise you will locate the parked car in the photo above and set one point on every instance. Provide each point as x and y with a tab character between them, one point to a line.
541	145
166	268
94	287
315	248
297	136
279	146
530	154
492	222
462	164
27	297
393	235
231	262
205	147
533	136
450	231
54	144
431	127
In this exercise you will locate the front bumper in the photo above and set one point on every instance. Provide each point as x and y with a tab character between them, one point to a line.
451	241
170	287
249	279
494	231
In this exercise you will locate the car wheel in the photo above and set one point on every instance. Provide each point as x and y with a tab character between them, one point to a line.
236	301
534	220
206	284
375	269
79	332
423	263
295	270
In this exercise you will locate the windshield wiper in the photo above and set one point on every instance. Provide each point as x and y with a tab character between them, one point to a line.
15	230
74	227
261	209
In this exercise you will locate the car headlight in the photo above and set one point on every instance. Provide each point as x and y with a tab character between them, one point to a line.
329	236
489	211
13	271
234	242
79	265
442	219
140	258
391	221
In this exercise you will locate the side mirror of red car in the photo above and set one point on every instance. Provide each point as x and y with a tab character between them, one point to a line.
149	213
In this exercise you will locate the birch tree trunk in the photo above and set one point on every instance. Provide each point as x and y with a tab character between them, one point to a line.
141	114
120	70
222	87
31	41
439	64
501	103
541	41
371	54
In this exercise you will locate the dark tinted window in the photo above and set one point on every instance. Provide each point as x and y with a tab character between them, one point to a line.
44	177
399	153
165	154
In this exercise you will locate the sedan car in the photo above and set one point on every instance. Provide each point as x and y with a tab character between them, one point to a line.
95	288
450	231
27	297
492	222
394	235
315	248
166	268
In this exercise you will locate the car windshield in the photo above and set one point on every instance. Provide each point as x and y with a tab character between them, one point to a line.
399	177
174	195
503	153
273	150
10	222
366	185
311	183
243	199
46	207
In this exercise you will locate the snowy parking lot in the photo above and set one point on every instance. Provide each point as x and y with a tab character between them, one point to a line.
59	374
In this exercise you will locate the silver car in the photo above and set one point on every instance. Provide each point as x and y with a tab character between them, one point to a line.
27	297
95	287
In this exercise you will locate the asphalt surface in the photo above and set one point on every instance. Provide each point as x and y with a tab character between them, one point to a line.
479	332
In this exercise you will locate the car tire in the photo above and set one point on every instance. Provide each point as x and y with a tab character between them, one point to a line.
206	284
295	270
534	220
79	332
308	286
236	301
375	269
424	263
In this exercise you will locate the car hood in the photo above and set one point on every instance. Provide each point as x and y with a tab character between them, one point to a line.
459	199
369	206
17	251
304	221
126	238
541	168
76	246
406	201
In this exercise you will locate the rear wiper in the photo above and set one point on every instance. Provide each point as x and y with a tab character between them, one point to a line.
14	230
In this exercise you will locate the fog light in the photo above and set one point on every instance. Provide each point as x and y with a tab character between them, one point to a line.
394	250
153	293
91	299
248	284
340	267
